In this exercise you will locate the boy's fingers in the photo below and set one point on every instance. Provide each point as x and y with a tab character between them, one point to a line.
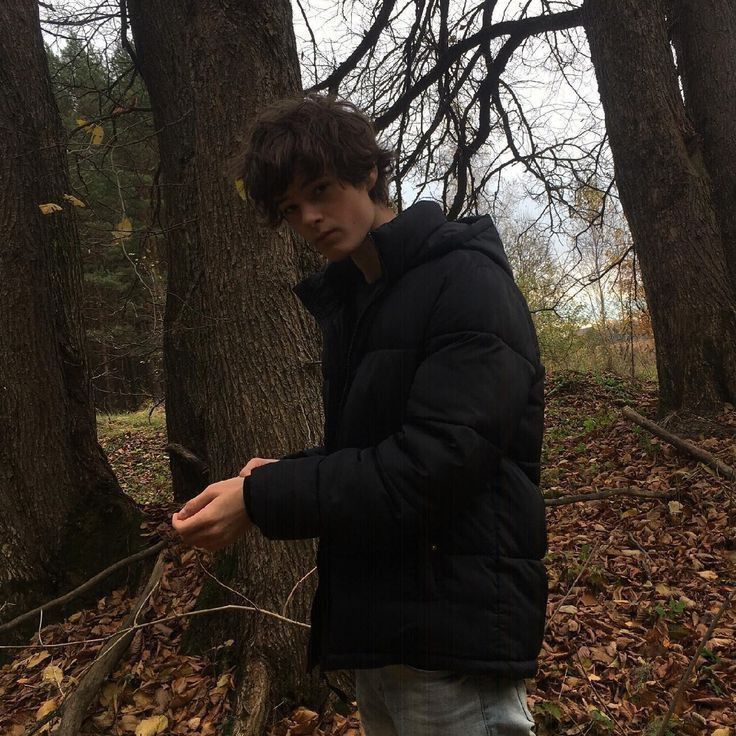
193	505
255	462
195	528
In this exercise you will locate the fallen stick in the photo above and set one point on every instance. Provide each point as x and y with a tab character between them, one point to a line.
76	705
681	444
683	681
84	586
601	495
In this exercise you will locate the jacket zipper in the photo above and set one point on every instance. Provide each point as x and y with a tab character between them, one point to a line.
348	360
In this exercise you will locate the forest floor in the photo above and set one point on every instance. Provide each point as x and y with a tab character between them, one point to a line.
634	586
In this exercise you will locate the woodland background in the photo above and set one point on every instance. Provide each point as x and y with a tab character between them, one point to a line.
151	344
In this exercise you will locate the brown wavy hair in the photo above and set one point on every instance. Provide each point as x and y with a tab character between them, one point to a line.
311	136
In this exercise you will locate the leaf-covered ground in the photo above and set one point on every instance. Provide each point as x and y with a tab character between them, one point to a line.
634	584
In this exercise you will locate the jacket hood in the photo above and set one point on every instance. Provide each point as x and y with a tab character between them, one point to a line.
419	234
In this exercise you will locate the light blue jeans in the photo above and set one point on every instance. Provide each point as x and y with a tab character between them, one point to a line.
400	700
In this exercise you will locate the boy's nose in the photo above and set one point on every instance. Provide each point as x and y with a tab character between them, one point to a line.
311	215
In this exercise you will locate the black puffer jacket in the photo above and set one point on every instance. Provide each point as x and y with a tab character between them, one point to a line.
424	495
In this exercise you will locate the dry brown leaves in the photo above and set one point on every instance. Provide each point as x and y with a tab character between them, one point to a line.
154	689
641	580
634	585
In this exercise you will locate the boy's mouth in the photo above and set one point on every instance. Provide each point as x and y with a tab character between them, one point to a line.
325	235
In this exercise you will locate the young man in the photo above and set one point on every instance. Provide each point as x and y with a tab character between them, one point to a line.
424	493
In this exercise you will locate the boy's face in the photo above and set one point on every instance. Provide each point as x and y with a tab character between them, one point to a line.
334	217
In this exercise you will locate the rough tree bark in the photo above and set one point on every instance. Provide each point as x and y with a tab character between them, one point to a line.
162	47
63	516
704	34
666	196
259	388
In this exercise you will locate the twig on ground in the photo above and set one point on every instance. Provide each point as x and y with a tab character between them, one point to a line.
166	619
686	676
647	557
590	558
597	696
84	586
76	705
681	444
73	709
601	495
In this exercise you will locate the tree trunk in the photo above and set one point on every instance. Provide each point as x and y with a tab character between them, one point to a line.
162	46
258	386
63	516
704	34
665	192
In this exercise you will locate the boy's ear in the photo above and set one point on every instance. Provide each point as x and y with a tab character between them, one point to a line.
372	177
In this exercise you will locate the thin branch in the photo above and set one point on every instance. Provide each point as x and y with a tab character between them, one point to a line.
601	495
520	29
681	444
686	676
293	590
84	586
166	619
332	83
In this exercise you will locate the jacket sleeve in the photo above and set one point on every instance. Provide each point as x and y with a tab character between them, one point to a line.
309	452
467	397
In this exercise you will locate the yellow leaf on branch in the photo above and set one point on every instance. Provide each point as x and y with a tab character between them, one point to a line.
123	230
240	187
97	134
76	202
49	208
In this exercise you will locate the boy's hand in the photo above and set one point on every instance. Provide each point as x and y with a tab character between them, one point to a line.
214	518
255	462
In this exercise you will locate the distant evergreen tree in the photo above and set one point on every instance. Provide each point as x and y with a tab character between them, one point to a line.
113	160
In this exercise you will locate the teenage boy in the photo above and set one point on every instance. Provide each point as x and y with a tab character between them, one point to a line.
424	494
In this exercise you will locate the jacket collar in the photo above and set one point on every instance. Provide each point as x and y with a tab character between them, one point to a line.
400	244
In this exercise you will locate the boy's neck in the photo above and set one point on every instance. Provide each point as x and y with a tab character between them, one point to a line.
366	256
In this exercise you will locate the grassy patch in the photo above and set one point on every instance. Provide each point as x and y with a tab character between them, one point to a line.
111	426
135	446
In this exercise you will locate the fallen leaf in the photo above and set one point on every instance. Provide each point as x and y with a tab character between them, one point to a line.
152	726
708	575
37	658
129	722
52	673
675	507
306	721
45	708
240	187
589	599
